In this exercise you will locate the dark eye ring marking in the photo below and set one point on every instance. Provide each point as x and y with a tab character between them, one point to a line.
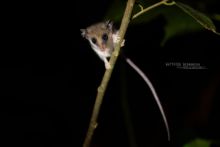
104	37
94	40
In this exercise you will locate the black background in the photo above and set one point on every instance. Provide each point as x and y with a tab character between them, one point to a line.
49	79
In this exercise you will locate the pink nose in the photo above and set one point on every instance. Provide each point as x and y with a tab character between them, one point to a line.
103	47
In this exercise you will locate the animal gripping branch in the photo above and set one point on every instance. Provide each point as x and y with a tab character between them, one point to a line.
102	88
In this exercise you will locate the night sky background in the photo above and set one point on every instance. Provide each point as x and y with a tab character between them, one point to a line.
49	79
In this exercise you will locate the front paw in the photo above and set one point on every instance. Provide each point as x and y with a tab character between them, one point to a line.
107	65
123	43
118	39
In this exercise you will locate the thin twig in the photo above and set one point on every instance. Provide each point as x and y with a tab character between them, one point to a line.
163	2
102	88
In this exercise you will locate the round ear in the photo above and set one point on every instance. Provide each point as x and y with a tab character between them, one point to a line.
83	32
109	24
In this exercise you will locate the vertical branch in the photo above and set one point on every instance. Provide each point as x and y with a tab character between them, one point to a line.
102	88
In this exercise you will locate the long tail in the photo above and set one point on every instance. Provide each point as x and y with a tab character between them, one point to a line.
146	79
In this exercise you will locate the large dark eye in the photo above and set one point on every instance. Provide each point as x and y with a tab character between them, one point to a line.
94	40
104	37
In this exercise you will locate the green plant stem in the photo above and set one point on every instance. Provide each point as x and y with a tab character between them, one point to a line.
102	88
163	2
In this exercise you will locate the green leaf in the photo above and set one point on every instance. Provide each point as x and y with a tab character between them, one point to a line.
198	143
201	18
216	17
115	11
178	23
